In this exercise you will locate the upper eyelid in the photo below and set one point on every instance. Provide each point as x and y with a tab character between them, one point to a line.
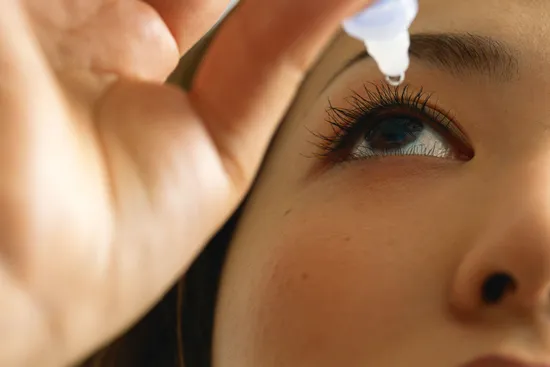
426	102
448	115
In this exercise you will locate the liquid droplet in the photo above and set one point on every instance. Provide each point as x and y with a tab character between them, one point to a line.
394	80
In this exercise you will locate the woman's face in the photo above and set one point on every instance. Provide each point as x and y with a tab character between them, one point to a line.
409	226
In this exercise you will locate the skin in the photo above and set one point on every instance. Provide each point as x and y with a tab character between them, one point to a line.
111	181
381	262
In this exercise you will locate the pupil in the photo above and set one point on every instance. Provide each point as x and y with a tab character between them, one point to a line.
393	133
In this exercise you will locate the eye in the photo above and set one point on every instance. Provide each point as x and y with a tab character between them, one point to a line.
392	122
403	135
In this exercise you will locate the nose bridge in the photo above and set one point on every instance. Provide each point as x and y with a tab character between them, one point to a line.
517	194
510	253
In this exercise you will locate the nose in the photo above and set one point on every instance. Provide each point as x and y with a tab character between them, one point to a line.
507	266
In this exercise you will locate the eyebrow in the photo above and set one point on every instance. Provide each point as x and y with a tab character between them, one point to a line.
459	54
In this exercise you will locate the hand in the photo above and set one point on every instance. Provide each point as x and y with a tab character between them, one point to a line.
110	181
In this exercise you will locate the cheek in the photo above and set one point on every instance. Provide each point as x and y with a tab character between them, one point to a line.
328	290
322	287
342	279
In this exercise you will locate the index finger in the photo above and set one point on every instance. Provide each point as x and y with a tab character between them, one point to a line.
253	69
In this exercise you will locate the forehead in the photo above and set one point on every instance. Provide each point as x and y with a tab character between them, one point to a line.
509	18
521	24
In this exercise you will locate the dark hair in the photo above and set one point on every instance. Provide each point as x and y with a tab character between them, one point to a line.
201	289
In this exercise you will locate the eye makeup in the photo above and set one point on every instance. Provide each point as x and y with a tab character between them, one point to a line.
388	121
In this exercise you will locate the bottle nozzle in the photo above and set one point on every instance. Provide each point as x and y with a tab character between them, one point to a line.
391	55
395	80
384	28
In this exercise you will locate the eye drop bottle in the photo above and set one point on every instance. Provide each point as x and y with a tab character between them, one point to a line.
384	28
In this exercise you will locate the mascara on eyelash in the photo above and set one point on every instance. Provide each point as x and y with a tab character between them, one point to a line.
345	121
380	101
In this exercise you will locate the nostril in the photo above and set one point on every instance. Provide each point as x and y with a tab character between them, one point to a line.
496	287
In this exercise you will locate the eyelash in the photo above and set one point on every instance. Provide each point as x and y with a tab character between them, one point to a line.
348	124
